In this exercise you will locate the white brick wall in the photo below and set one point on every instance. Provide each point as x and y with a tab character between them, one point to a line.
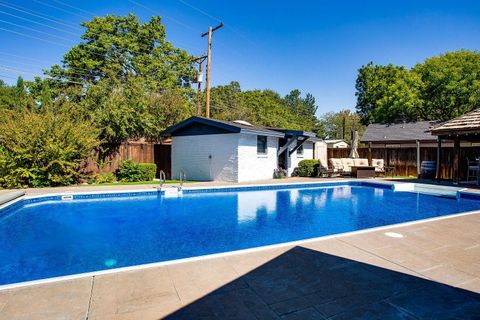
253	166
295	159
206	157
223	157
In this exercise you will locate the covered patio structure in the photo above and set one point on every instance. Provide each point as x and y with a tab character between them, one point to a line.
464	128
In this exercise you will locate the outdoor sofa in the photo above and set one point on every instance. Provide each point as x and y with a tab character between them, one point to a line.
343	166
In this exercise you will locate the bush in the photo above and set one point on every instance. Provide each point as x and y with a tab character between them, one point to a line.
148	171
104	177
130	171
307	168
43	149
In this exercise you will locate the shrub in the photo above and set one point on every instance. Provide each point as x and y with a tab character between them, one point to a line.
129	171
104	177
148	171
307	168
134	172
44	148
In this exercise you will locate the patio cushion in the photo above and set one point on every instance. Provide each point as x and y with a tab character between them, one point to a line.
323	164
379	165
336	164
360	162
347	164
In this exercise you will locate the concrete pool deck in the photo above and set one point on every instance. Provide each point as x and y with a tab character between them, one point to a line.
431	272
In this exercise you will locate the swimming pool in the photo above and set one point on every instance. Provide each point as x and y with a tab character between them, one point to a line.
49	237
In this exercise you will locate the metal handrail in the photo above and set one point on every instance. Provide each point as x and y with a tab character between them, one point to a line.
182	176
163	178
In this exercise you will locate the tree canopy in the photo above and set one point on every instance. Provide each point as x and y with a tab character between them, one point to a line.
120	47
440	88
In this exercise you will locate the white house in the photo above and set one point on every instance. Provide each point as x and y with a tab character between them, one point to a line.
336	143
215	150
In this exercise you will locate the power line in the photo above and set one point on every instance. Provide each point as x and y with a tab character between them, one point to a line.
33	37
38	15
36	22
199	10
60	9
36	30
7	77
8	68
68	72
73	7
161	15
228	26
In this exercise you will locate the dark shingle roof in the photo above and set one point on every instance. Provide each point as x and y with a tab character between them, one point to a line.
467	123
227	126
400	132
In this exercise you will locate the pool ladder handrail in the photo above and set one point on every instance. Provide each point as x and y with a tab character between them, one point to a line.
182	176
163	178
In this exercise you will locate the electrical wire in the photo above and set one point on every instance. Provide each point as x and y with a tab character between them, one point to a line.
11	69
36	30
73	7
38	15
164	16
38	23
60	9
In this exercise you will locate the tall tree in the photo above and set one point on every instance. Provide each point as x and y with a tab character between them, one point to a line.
387	94
332	125
121	46
451	84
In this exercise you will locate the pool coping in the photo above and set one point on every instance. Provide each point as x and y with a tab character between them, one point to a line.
228	253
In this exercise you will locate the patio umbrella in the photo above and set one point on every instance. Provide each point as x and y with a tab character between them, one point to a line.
353	150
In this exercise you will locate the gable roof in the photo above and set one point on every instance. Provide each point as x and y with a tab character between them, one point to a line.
214	126
400	132
467	123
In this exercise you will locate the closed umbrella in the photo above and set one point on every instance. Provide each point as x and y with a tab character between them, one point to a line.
353	150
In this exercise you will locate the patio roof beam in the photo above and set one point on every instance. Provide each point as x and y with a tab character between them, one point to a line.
287	145
302	141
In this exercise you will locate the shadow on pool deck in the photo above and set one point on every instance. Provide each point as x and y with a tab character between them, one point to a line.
307	284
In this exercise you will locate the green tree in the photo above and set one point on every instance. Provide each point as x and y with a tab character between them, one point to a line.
333	124
451	84
7	96
120	47
387	94
130	110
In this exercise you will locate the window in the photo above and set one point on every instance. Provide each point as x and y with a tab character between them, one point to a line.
300	151
261	145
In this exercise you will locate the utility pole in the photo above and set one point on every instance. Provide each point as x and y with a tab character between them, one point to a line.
209	62
199	79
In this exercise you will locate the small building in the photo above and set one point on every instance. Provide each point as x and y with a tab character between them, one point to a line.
465	128
336	144
236	151
399	135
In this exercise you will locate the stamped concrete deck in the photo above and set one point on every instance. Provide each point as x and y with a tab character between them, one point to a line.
433	272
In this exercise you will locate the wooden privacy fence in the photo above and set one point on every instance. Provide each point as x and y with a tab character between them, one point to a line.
405	159
148	152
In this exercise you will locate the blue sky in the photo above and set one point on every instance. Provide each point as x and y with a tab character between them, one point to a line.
315	46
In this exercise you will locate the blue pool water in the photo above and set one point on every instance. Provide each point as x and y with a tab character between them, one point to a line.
54	238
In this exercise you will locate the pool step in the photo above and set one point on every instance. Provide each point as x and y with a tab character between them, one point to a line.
429	189
171	192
